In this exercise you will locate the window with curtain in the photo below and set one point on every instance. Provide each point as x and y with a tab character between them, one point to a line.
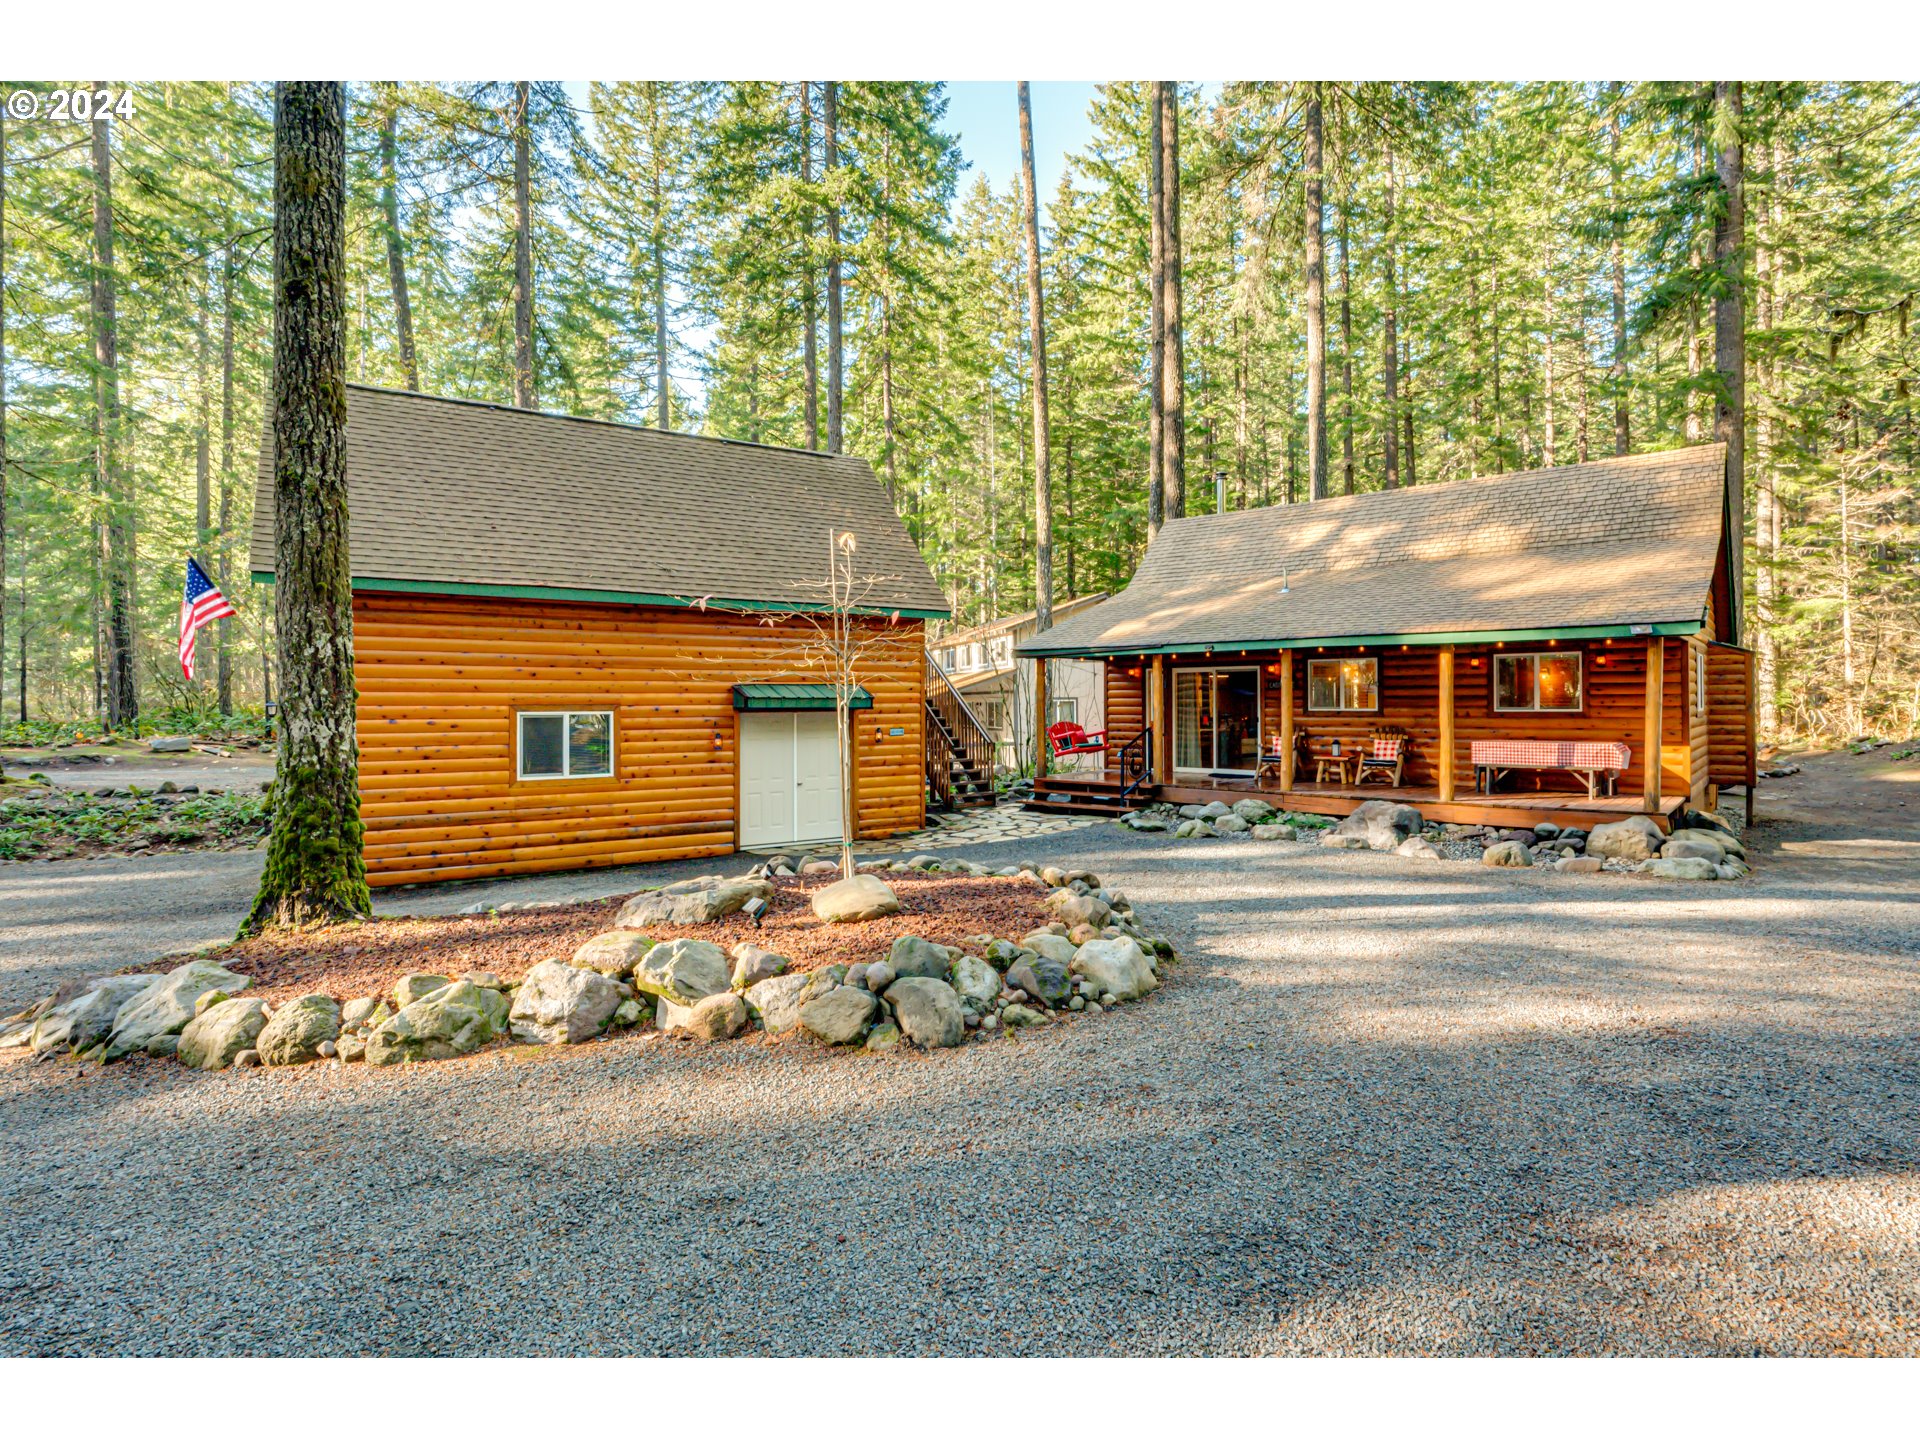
1349	684
1545	680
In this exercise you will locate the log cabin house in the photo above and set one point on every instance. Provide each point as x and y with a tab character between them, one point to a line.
578	643
1555	644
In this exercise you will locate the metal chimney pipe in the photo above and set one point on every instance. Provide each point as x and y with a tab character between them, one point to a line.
1219	492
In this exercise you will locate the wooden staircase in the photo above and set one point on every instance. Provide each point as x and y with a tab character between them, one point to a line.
959	750
968	783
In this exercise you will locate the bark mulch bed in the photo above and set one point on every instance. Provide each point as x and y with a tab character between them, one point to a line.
350	960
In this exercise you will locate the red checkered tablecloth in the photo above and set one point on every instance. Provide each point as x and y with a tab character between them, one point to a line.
1553	754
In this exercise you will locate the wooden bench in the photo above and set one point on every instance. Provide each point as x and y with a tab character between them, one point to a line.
1597	762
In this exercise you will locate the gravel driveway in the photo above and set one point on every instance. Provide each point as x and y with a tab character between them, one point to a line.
1383	1106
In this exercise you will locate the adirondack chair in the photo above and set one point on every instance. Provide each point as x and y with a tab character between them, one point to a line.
1067	738
1386	756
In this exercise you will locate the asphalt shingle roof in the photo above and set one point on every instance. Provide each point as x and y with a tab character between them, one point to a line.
1616	542
471	494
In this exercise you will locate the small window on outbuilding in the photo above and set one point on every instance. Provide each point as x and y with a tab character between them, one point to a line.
1349	684
1066	709
565	744
1545	680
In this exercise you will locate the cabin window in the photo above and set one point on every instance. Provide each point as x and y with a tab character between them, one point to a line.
1065	711
1002	650
1350	684
1548	680
565	744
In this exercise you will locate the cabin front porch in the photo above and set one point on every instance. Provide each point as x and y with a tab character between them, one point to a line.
1099	792
1480	726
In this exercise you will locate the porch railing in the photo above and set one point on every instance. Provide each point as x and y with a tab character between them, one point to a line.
1136	762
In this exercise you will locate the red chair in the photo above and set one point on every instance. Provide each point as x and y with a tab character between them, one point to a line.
1067	738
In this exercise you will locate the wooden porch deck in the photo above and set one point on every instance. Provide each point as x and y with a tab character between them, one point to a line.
1522	808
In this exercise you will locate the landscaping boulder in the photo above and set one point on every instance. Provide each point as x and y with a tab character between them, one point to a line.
166	1004
1214	809
1382	824
213	1039
776	1003
169	744
1045	942
1140	820
1004	954
751	965
1231	825
683	971
1580	864
417	986
1334	840
929	1011
84	1020
1119	967
1275	832
454	1020
612	953
840	1015
858	897
1634	838
1079	909
976	982
1687	869
911	955
690	902
364	1013
884	1036
1042	978
1507	853
875	977
563	1004
1253	810
295	1032
1703	835
1195	829
1692	850
1015	1016
718	1017
1417	847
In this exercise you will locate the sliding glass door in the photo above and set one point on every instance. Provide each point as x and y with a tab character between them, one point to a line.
1216	720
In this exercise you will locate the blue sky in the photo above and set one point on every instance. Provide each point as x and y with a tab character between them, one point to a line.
986	117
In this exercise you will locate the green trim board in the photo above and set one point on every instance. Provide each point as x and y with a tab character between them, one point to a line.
795	697
1457	637
616	597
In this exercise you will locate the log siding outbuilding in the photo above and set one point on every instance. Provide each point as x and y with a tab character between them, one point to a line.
654	577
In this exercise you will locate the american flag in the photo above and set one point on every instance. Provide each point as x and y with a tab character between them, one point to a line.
202	605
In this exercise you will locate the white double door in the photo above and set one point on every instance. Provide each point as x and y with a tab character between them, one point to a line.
789	777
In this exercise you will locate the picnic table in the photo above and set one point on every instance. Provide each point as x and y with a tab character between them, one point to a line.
1598	762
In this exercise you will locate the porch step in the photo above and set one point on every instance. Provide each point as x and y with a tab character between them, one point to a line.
1086	795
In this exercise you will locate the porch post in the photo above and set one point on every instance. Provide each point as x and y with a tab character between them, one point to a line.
1445	758
1650	762
1157	721
1286	720
1040	718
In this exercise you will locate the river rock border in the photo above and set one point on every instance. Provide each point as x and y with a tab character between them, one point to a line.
1702	846
1094	954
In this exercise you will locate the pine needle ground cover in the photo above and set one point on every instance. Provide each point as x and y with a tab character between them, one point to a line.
368	958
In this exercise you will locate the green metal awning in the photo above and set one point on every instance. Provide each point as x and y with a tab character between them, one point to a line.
795	697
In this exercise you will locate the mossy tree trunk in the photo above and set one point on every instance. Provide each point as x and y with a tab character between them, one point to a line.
314	871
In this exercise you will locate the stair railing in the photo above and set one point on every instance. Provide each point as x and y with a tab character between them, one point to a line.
975	744
939	762
1136	762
